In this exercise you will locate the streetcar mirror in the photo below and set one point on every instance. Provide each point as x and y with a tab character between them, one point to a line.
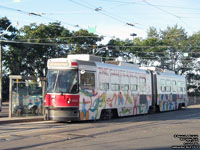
82	71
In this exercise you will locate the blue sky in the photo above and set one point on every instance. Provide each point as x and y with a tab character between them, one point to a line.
112	15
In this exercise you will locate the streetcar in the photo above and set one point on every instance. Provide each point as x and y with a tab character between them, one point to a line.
82	87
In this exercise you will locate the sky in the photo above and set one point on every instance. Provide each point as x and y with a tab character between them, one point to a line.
111	18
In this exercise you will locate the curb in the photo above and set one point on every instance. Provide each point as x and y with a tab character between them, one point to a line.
19	120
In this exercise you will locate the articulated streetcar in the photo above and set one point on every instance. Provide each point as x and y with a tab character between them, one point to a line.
82	87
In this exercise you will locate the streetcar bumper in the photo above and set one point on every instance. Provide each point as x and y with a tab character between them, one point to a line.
62	114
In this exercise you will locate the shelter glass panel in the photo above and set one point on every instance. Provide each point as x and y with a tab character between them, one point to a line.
26	98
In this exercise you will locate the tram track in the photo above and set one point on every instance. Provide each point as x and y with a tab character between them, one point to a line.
49	134
100	127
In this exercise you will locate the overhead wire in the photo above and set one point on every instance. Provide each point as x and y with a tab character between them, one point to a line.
34	14
158	7
103	10
53	44
41	15
32	43
105	14
137	3
67	37
93	46
83	5
89	45
172	14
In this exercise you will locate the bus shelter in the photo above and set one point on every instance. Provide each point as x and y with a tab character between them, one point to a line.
26	96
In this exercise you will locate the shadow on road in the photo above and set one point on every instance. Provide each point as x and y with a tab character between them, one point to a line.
183	114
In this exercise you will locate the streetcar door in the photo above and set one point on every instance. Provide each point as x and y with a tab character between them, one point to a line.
88	106
154	88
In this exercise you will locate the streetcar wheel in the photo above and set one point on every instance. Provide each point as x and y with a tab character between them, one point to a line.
179	106
107	114
152	109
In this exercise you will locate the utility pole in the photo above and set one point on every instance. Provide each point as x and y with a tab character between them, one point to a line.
1	38
134	57
0	74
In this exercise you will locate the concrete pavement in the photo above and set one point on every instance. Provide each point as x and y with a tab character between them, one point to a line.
145	132
6	120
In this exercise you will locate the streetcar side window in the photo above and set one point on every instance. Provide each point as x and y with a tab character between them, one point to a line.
87	80
124	81
142	84
115	87
168	86
134	87
174	86
125	87
133	83
115	80
103	79
162	85
181	87
104	86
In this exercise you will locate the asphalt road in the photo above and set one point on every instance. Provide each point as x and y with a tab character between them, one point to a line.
147	132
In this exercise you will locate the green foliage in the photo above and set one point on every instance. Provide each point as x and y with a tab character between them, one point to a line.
31	59
7	31
53	41
84	42
163	48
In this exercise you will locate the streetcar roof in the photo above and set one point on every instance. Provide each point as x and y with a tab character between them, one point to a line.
171	75
127	68
98	64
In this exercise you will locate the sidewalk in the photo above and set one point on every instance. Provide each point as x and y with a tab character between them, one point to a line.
4	119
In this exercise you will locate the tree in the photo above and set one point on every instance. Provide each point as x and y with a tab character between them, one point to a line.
151	50
7	32
46	41
34	44
31	59
84	42
193	64
176	39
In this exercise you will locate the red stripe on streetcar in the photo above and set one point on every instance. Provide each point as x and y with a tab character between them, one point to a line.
74	64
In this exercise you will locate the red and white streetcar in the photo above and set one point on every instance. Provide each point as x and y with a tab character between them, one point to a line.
82	87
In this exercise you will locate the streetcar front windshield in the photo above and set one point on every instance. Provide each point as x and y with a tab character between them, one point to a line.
62	81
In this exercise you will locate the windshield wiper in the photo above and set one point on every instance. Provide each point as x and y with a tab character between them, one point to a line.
50	88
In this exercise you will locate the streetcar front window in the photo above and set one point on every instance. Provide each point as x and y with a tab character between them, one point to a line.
62	81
